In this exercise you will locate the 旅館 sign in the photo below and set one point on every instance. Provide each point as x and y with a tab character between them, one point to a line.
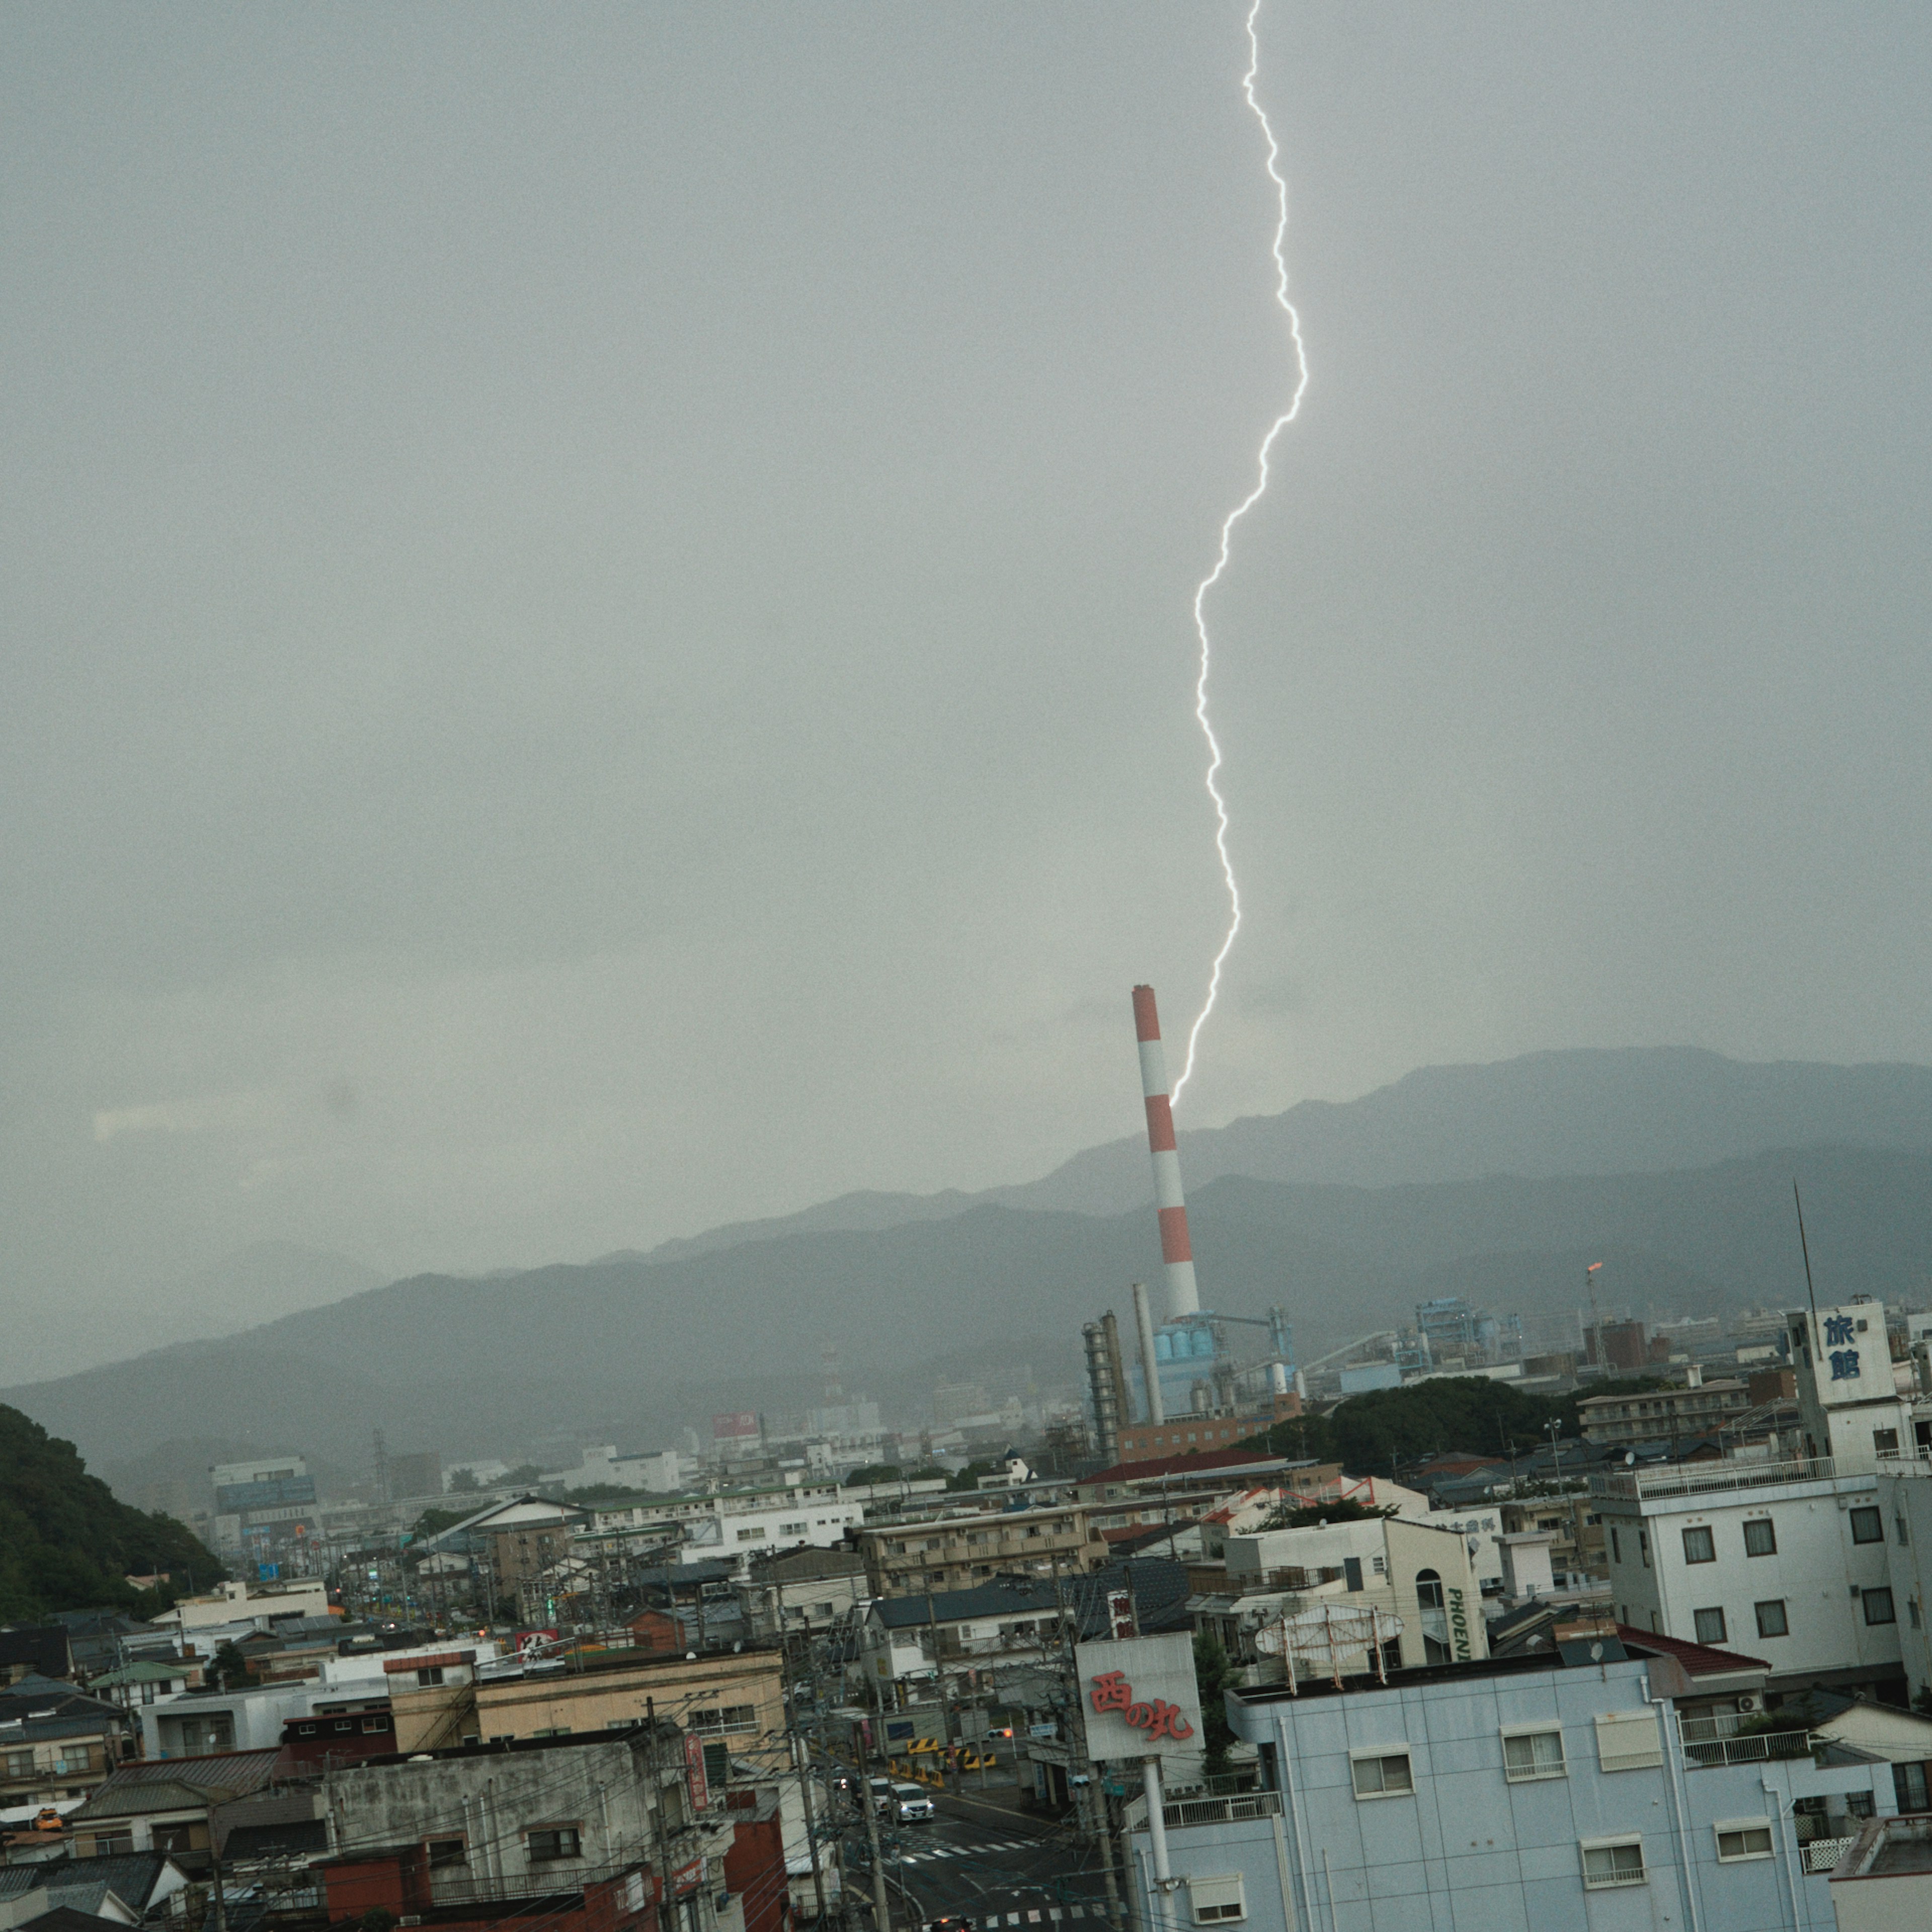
1139	1698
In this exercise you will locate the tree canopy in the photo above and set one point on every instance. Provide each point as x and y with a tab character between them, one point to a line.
67	1543
1372	1434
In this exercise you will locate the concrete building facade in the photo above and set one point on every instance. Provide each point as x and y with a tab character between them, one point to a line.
1509	1796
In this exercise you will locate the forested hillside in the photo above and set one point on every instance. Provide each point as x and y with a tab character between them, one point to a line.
66	1542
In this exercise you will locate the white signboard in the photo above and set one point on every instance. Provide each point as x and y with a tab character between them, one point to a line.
1139	1697
1851	1361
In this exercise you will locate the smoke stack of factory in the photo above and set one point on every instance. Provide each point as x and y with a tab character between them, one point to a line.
1177	1251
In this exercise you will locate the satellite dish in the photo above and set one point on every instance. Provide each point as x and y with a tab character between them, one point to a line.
1596	1653
1629	1457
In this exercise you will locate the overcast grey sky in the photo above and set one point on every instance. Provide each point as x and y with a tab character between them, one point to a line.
596	598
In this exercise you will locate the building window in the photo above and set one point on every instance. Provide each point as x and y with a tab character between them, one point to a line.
1643	1546
1616	1547
1867	1526
1911	1787
1710	1626
1382	1774
429	1676
1628	1740
1885	1441
1878	1607
794	1528
1741	1838
1530	1754
1771	1621
1760	1536
558	1841
1900	1531
1217	1898
375	1723
1700	1545
1609	1862
447	1851
554	1731
717	1766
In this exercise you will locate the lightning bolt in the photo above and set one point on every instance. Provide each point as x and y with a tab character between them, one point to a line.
1235	516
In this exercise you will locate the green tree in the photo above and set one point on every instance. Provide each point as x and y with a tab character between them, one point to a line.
1373	1434
228	1669
434	1522
968	1478
875	1472
1214	1676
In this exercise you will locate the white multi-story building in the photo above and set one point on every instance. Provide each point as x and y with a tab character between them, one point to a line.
1506	1795
1903	1499
1788	1561
1797	1562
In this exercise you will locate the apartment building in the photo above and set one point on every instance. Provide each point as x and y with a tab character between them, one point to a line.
1662	1415
1511	1792
954	1552
1787	1560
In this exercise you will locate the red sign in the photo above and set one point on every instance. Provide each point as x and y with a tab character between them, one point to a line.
736	1426
534	1642
1158	1718
1121	1613
688	1878
696	1783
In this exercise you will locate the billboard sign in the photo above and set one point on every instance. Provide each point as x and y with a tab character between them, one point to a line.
1140	1697
739	1425
696	1784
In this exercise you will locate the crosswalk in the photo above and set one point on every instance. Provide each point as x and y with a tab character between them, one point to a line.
945	1849
1038	1915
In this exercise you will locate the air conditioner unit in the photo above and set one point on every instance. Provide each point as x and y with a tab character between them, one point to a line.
1748	1703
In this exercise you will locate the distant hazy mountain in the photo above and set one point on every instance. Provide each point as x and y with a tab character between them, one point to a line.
631	1349
240	1290
1634	1110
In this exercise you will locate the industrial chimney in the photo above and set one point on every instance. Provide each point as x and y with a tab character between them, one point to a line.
1183	1298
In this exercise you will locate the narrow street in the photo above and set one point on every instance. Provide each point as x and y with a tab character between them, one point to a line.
983	1860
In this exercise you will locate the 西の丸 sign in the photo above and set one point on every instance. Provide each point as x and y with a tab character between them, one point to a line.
1139	1697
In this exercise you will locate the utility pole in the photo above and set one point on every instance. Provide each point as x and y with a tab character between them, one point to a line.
802	1760
882	1908
945	1709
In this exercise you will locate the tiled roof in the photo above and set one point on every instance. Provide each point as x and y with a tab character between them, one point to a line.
1699	1659
169	1784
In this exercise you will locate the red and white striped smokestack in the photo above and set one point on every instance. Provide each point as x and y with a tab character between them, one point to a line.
1183	1297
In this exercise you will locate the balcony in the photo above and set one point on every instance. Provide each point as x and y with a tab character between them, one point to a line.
1176	1814
1750	1747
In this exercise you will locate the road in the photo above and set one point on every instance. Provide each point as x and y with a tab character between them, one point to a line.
984	1862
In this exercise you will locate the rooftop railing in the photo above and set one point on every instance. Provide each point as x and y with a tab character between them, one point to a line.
1698	1479
1754	1747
